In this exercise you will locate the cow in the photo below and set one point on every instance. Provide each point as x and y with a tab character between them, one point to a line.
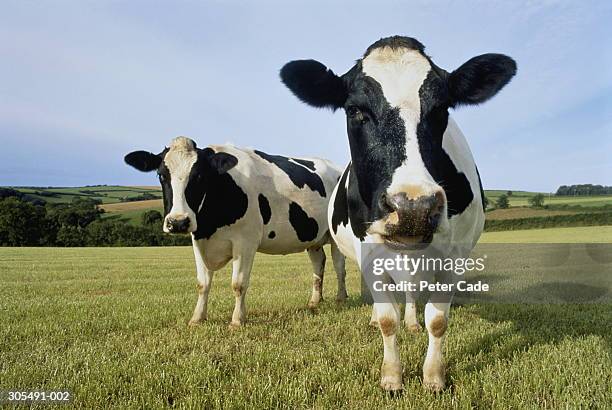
412	180
236	202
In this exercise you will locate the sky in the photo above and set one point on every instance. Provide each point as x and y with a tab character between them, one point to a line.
82	83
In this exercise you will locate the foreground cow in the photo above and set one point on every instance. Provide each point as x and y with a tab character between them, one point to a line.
236	202
412	178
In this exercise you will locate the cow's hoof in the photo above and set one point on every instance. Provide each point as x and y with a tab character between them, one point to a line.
414	327
391	384
341	297
434	385
235	325
312	305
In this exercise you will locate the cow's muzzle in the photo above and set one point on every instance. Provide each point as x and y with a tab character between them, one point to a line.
412	221
177	224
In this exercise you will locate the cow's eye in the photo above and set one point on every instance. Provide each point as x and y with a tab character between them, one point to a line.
356	114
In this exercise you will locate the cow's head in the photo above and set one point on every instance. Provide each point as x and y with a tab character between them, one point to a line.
185	173
396	102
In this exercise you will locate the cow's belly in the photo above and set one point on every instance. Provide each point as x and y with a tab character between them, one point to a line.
279	237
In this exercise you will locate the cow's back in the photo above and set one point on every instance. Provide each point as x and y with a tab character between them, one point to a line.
287	199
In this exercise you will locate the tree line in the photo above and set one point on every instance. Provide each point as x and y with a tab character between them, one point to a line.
584	190
25	221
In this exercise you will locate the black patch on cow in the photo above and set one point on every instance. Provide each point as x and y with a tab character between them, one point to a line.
482	194
340	213
264	208
296	173
357	209
430	131
308	164
377	143
225	201
272	235
305	227
163	174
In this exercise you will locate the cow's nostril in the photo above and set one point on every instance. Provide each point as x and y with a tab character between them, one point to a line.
434	220
385	203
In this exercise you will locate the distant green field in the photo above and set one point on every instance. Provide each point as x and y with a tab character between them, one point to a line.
109	324
520	198
586	234
105	193
132	217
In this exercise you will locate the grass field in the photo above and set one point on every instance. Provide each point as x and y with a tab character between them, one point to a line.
105	193
521	198
110	325
586	234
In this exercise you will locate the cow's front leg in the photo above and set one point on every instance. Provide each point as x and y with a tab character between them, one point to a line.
204	281
388	317
436	321
317	258
241	273
340	268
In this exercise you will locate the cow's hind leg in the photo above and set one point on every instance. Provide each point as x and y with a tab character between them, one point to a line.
410	316
241	273
436	321
340	268
204	278
317	258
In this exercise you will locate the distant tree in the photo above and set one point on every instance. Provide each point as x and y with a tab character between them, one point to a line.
536	201
21	223
81	212
486	202
584	189
502	202
509	193
152	218
69	235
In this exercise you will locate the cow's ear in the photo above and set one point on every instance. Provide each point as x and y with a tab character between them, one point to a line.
222	162
480	78
314	84
143	161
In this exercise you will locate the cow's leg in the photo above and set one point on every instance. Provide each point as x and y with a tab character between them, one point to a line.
317	258
340	268
410	315
388	317
241	272
373	319
436	322
204	278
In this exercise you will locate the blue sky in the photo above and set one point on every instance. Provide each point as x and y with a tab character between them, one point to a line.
84	82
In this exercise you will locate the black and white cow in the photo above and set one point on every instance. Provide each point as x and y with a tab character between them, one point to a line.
236	202
412	178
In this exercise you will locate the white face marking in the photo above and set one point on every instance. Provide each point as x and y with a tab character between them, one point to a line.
400	73
179	160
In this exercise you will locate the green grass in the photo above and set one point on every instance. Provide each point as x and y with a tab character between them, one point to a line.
521	198
586	234
110	325
106	193
131	217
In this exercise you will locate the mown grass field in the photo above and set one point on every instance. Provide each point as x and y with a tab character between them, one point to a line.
110	325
